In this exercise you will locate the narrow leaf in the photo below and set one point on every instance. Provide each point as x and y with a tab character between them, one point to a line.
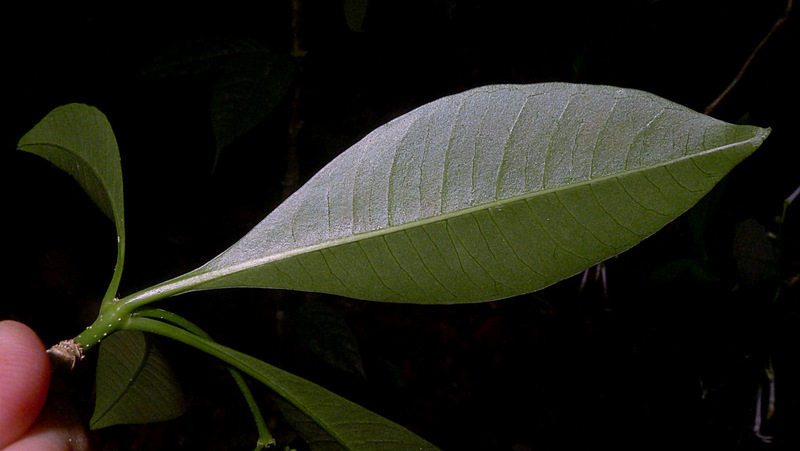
265	438
134	383
325	420
491	193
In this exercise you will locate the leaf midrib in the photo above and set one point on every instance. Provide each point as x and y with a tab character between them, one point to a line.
201	276
280	389
101	181
129	385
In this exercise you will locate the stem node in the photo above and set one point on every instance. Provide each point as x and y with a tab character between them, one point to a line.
65	355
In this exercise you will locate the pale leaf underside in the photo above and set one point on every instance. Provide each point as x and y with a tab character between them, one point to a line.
491	193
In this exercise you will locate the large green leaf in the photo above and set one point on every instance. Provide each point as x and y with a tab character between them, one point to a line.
491	193
134	383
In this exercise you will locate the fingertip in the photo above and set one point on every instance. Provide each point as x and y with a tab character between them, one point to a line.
24	379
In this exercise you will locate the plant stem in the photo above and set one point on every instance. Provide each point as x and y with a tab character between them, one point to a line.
115	315
291	179
778	241
145	324
113	286
265	438
783	18
282	384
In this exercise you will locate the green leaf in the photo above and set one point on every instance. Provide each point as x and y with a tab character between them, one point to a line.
755	253
201	56
253	80
265	438
78	139
487	194
134	383
249	89
325	420
355	11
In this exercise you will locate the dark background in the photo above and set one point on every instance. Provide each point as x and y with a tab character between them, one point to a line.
672	356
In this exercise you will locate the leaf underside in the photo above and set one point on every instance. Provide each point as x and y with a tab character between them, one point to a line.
134	383
487	194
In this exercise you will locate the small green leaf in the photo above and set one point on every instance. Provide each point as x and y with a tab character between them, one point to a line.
134	383
487	194
79	140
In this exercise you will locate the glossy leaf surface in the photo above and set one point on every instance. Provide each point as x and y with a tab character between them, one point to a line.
134	383
491	193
